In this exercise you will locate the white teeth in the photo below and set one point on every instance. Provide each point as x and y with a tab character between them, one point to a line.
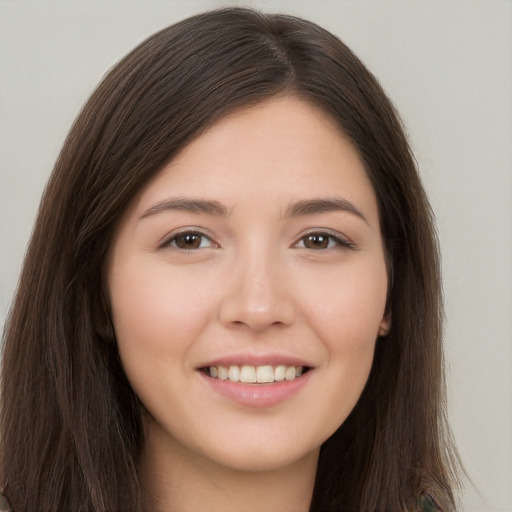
289	374
265	374
222	372
234	373
255	374
279	373
248	374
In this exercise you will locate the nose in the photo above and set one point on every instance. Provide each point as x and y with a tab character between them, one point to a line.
258	295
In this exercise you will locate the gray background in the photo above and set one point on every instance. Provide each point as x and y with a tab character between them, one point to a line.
447	65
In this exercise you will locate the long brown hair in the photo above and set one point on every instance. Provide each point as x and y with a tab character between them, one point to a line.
71	426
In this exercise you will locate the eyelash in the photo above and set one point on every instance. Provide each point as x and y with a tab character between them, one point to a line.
334	240
171	242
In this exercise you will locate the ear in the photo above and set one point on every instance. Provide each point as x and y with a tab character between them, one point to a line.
385	325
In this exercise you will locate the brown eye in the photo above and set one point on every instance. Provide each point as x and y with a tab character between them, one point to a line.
317	241
320	241
190	241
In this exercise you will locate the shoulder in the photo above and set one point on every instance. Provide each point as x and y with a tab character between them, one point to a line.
425	503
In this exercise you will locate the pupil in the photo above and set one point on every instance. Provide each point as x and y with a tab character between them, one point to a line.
317	242
188	241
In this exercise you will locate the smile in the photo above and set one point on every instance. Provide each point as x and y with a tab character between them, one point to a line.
257	386
264	374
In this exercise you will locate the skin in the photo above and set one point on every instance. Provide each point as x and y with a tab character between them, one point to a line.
260	281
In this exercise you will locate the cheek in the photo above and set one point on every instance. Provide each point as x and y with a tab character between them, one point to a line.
349	338
155	313
347	306
346	312
158	316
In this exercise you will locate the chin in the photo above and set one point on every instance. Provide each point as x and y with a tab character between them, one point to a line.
262	460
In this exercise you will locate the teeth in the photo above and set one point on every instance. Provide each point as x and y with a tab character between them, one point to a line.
265	374
279	373
222	372
255	374
289	374
234	373
248	374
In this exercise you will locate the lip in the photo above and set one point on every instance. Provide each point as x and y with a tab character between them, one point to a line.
257	395
257	359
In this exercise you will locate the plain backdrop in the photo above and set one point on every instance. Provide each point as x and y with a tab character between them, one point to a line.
446	64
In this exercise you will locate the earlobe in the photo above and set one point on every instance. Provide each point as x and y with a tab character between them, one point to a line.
385	326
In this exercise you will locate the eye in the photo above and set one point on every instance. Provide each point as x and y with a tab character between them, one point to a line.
321	240
189	241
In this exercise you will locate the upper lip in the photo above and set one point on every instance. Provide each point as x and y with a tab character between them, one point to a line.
257	359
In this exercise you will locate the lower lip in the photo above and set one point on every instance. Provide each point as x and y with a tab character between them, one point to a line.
258	395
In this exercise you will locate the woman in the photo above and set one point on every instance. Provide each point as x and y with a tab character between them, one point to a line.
231	298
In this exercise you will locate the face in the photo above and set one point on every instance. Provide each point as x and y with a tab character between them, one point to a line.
248	286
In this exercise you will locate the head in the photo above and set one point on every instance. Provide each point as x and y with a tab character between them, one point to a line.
150	107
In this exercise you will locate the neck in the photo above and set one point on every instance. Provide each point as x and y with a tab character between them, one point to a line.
177	481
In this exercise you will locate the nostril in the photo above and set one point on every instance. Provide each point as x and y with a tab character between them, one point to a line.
256	304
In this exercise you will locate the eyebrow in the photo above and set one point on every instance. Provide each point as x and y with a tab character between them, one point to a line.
188	205
323	205
297	209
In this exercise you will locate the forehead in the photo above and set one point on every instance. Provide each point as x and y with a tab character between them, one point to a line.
284	149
